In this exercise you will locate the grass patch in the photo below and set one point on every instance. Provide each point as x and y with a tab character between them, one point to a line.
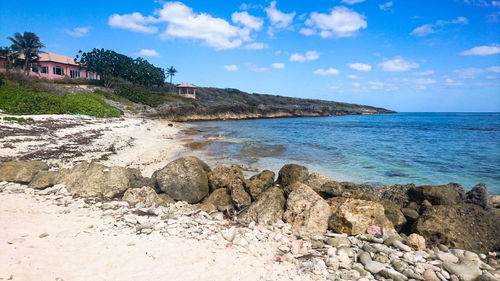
18	119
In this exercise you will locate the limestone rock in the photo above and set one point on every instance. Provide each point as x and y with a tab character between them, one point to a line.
148	196
21	171
396	193
354	216
331	189
239	196
44	179
494	201
410	214
221	177
291	173
138	181
315	181
268	208
184	179
259	183
417	242
219	198
463	226
90	179
478	195
449	194
307	212
466	271
366	188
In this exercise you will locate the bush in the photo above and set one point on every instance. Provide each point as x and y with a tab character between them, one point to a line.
18	119
139	95
78	81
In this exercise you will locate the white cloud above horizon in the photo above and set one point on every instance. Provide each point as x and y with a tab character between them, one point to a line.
360	66
231	67
424	73
482	51
386	6
352	2
278	18
429	28
329	71
247	20
495	69
78	31
278	65
149	53
340	22
255	46
352	76
308	56
252	67
468	73
135	22
397	64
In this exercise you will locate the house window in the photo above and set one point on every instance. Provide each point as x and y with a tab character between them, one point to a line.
58	70
74	74
44	69
91	76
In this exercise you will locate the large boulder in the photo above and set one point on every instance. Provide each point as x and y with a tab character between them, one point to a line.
90	179
44	179
148	196
478	195
184	179
316	181
268	209
291	173
21	171
239	196
354	216
220	198
331	189
259	183
449	194
221	177
463	226
306	211
366	188
396	193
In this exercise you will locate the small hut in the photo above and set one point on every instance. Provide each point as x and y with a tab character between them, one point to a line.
187	90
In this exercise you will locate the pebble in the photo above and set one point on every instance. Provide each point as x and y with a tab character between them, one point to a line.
374	266
364	257
447	257
338	241
393	274
43	235
398	244
430	275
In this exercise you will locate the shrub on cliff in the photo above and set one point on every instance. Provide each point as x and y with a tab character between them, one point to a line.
138	94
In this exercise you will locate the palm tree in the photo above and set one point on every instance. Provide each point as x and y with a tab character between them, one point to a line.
10	56
29	45
171	72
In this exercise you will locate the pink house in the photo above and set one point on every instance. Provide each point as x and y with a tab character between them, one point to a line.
54	66
187	90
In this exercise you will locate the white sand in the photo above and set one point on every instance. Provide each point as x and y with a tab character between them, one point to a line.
81	246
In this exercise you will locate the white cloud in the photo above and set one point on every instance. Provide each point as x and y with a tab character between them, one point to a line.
278	65
78	31
451	82
324	72
278	18
247	20
308	56
149	53
424	73
376	85
307	31
360	66
427	29
356	84
386	6
254	68
422	83
134	22
352	76
231	67
482	51
352	2
493	69
340	22
397	64
255	46
468	73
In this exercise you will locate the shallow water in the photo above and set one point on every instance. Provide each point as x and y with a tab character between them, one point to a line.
420	148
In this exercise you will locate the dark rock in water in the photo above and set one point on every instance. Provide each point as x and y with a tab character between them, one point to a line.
292	173
449	194
361	187
240	198
21	171
395	174
396	193
221	177
262	150
331	189
184	179
463	226
259	183
478	195
268	208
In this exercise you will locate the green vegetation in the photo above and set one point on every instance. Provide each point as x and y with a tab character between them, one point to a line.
16	100
18	119
27	44
139	95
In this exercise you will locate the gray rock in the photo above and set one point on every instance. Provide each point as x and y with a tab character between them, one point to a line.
44	179
447	257
239	196
465	271
398	244
221	177
364	257
486	276
315	181
393	274
268	208
331	189
410	214
374	267
292	173
147	196
478	195
21	171
430	275
184	179
338	241
259	183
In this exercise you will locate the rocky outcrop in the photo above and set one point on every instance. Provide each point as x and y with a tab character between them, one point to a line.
331	189
316	181
239	196
366	188
259	183
147	196
221	177
478	195
292	173
268	209
218	199
449	194
90	179
397	193
354	216
184	179
21	171
464	226
306	211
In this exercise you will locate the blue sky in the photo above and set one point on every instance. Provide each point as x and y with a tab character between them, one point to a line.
403	55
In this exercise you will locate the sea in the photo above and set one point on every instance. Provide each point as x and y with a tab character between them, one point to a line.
401	148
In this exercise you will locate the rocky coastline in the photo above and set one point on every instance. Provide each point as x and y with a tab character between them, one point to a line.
327	230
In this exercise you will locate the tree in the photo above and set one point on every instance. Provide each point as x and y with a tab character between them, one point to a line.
171	72
28	45
10	56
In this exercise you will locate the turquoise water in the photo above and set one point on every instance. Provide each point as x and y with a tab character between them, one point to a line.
420	148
